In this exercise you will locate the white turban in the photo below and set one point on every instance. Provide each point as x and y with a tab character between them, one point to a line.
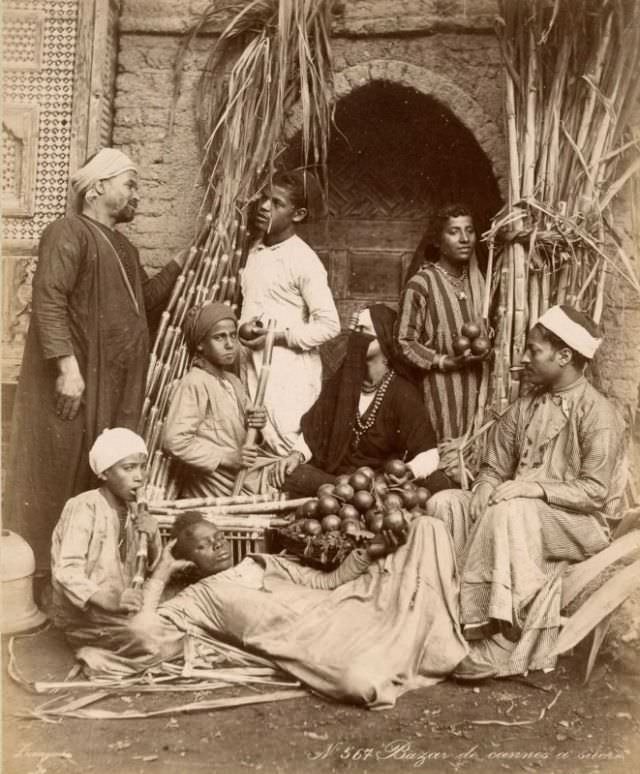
572	333
107	163
114	445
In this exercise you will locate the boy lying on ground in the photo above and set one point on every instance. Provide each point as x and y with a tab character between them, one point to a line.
367	632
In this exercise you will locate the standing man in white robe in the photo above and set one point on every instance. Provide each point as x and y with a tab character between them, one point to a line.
284	280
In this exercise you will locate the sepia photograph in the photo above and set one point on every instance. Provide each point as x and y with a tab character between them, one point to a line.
320	386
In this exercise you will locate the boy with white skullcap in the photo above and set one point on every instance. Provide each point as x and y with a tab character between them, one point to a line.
547	487
94	547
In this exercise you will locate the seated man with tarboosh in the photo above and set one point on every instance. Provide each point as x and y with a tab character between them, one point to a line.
542	499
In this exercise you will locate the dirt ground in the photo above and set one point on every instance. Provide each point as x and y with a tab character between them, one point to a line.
592	728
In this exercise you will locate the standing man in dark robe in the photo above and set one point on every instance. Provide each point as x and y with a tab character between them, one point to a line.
87	348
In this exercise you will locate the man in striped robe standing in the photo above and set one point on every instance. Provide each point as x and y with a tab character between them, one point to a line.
437	301
542	499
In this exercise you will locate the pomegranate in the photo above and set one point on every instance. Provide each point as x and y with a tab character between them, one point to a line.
394	521
312	527
392	502
331	523
373	520
377	548
367	471
423	495
360	481
471	330
409	497
348	511
396	468
342	479
461	345
328	504
251	330
343	492
325	489
362	500
310	508
480	345
380	486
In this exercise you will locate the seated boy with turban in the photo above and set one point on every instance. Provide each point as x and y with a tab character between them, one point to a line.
94	546
207	421
546	489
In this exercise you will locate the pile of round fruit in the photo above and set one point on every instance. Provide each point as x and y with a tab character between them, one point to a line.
471	339
352	512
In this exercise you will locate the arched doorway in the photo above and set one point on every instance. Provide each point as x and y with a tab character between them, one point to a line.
395	156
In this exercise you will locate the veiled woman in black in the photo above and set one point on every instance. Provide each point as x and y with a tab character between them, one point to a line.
369	412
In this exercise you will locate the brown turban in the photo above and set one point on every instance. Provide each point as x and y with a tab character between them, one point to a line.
199	320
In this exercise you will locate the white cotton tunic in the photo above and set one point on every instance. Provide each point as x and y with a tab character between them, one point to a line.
288	283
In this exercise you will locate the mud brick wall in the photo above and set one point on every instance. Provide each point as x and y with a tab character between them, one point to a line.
445	48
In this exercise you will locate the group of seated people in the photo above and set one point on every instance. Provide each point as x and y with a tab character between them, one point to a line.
368	412
473	592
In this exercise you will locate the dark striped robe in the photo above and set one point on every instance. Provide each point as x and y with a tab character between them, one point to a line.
431	315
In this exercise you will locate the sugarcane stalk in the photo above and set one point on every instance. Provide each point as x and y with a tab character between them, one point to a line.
153	415
512	134
218	502
162	327
151	369
241	509
529	156
534	298
156	436
142	554
261	388
486	301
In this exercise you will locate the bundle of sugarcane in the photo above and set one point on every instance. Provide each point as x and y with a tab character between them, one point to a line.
571	71
272	56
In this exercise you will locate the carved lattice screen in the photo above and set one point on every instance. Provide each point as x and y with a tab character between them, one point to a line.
59	59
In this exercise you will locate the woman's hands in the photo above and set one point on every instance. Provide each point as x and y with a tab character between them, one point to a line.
284	468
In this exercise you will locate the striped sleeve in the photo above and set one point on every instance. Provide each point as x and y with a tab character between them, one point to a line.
413	323
501	457
587	492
